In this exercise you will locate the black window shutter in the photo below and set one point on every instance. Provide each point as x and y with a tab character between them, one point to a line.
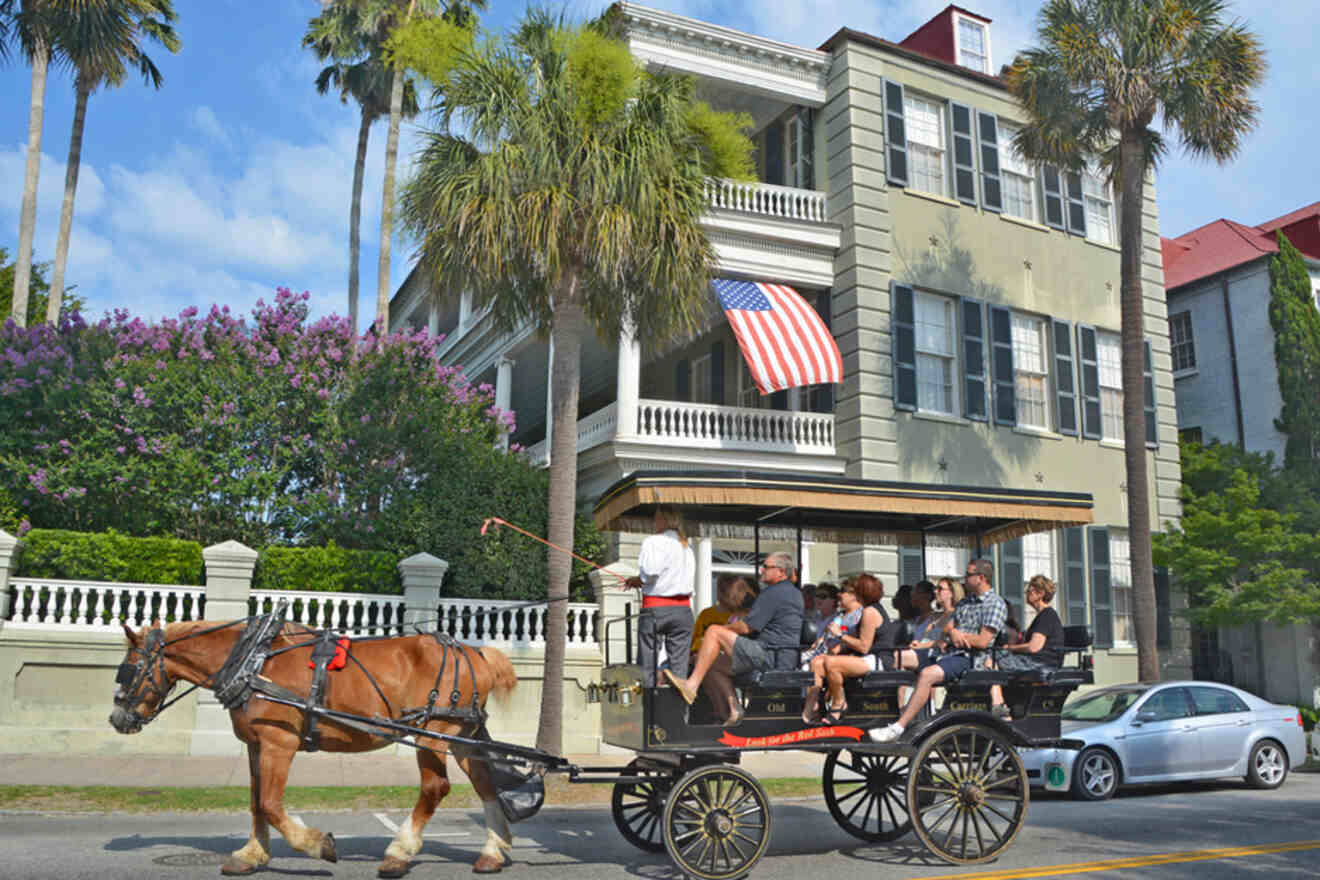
895	135
1089	371
1052	186
1074	575
779	400
1163	609
973	332
1010	574
988	128
717	373
1076	205
964	163
903	324
774	153
683	380
1148	383
1102	594
912	565
1001	357
1065	398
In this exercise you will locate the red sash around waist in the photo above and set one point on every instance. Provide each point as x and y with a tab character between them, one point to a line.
665	601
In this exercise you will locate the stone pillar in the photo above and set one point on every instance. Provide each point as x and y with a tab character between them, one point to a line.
704	595
616	601
423	575
229	568
10	547
628	382
504	392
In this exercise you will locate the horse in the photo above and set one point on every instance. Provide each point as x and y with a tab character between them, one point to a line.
403	671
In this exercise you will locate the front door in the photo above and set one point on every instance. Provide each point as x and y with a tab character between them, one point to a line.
1161	738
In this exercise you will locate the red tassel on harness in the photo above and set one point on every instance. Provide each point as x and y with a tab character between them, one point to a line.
340	660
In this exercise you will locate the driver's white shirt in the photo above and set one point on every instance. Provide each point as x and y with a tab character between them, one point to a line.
666	567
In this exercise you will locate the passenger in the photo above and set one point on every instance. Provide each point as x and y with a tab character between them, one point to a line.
1012	629
964	643
1042	644
857	654
825	603
667	570
928	627
730	591
768	638
903	603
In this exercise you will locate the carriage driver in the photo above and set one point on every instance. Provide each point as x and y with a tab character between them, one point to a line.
767	638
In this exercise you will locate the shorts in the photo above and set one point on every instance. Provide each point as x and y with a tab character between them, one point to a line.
879	662
749	656
954	665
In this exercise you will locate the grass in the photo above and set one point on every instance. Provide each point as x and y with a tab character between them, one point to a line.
234	799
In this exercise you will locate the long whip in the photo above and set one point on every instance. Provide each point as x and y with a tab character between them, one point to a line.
503	522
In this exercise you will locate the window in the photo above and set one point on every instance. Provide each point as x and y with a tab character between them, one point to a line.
935	353
1099	206
925	143
1120	580
1031	372
1038	558
1017	180
1216	701
701	380
1180	335
973	45
1189	435
946	562
1109	360
749	395
1167	704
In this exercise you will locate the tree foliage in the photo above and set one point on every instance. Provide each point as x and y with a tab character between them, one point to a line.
1296	323
38	292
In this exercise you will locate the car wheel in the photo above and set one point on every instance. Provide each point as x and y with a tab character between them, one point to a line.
1095	775
1267	766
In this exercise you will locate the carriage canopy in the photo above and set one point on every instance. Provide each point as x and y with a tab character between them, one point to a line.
785	505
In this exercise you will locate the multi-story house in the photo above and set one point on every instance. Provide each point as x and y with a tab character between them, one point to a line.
1227	386
973	297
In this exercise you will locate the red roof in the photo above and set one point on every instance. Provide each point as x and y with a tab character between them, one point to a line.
1224	244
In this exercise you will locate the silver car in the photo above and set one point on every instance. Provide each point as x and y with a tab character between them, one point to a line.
1169	732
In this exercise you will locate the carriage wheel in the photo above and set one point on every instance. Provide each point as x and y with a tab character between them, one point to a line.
717	822
967	794
865	794
639	808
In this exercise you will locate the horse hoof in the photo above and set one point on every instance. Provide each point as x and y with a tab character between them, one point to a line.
488	865
236	867
328	851
392	867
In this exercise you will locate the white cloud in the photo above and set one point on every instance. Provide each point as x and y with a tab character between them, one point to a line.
206	122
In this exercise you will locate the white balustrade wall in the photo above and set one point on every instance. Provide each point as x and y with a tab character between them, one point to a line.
731	427
513	623
101	605
366	614
751	197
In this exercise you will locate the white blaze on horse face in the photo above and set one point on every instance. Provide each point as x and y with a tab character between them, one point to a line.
499	839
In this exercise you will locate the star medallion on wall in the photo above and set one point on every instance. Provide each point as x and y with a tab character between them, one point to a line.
942	465
1040	478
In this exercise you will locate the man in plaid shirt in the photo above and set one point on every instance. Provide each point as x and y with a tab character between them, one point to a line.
964	644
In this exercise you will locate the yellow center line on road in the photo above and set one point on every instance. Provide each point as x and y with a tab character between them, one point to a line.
1195	855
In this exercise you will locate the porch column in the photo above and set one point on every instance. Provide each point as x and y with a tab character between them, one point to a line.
433	319
628	382
804	565
464	310
504	392
703	596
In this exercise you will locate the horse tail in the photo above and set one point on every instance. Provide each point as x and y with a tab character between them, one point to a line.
505	678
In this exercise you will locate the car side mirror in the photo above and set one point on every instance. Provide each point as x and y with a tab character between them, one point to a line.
1147	715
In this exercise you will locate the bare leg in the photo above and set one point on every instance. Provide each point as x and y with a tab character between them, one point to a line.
408	841
926	681
719	687
716	639
499	839
809	713
256	852
836	670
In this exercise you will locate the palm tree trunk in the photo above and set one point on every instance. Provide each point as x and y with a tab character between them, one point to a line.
387	205
1132	177
27	223
355	222
83	91
566	330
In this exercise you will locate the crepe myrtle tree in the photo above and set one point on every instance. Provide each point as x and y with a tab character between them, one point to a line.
1104	74
563	185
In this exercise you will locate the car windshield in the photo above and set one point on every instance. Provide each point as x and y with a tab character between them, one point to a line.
1103	705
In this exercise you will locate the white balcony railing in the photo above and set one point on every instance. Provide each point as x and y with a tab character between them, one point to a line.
709	426
751	197
100	605
595	429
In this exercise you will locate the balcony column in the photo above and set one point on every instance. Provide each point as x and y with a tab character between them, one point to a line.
629	380
703	595
504	392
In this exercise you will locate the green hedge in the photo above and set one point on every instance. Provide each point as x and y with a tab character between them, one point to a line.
328	569
110	556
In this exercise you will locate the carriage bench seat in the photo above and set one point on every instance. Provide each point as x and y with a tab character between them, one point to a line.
984	678
1055	677
776	679
888	678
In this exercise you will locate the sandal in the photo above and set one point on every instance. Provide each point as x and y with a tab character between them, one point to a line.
735	719
834	714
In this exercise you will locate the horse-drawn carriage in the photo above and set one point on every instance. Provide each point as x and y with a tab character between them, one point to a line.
954	777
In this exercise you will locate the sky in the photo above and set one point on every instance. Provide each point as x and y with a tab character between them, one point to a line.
234	178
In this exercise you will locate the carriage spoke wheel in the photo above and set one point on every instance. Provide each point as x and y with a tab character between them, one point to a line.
717	823
866	794
967	793
639	809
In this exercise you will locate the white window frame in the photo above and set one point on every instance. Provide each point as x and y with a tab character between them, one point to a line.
1016	176
1098	198
1024	328
700	385
749	396
1182	341
1109	366
946	561
922	157
929	356
958	41
1039	556
1120	585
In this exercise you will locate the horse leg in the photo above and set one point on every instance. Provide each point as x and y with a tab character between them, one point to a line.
499	839
408	841
274	776
256	852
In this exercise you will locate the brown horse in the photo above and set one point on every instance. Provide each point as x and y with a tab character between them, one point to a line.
405	669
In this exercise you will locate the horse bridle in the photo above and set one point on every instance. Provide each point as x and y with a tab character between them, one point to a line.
147	678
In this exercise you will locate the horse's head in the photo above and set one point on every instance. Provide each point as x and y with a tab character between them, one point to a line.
142	684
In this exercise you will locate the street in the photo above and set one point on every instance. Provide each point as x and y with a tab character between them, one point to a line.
1148	833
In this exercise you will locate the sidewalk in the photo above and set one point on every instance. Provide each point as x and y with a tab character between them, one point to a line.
317	768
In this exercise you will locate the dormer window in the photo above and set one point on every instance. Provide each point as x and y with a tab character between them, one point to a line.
973	44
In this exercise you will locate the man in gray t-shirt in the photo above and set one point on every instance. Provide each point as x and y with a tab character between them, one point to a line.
766	639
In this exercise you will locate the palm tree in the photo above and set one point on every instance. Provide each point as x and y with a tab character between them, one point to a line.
564	186
1104	72
357	69
101	44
